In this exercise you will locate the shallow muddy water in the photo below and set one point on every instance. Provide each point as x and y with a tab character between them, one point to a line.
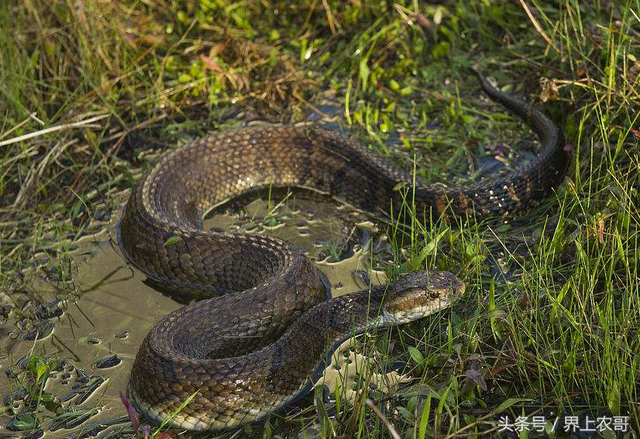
94	341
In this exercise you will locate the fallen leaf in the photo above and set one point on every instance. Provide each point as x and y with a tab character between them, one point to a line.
549	90
477	377
133	415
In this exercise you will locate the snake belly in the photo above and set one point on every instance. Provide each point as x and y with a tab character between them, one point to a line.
264	325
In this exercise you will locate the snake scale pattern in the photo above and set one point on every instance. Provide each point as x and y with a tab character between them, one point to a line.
258	337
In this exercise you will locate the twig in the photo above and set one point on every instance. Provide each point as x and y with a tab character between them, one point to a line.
308	17
53	129
330	19
33	116
3	135
537	25
383	418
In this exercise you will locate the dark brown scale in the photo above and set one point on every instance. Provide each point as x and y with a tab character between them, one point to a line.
231	347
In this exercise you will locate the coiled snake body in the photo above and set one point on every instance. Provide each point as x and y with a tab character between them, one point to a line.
254	344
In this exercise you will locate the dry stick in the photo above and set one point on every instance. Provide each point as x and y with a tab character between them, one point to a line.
17	126
65	126
537	25
383	418
308	17
330	19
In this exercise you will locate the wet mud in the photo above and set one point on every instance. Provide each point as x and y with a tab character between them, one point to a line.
83	346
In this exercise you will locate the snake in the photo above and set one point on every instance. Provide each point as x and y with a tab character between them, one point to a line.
261	323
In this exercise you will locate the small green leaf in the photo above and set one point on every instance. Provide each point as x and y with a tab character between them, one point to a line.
24	421
173	240
184	78
399	186
613	398
406	414
424	418
46	397
42	369
364	73
416	355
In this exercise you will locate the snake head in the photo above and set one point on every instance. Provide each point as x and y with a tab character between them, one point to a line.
420	294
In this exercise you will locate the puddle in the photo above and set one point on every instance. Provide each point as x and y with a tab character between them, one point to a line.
96	339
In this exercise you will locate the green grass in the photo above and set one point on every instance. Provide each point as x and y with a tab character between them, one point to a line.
551	312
